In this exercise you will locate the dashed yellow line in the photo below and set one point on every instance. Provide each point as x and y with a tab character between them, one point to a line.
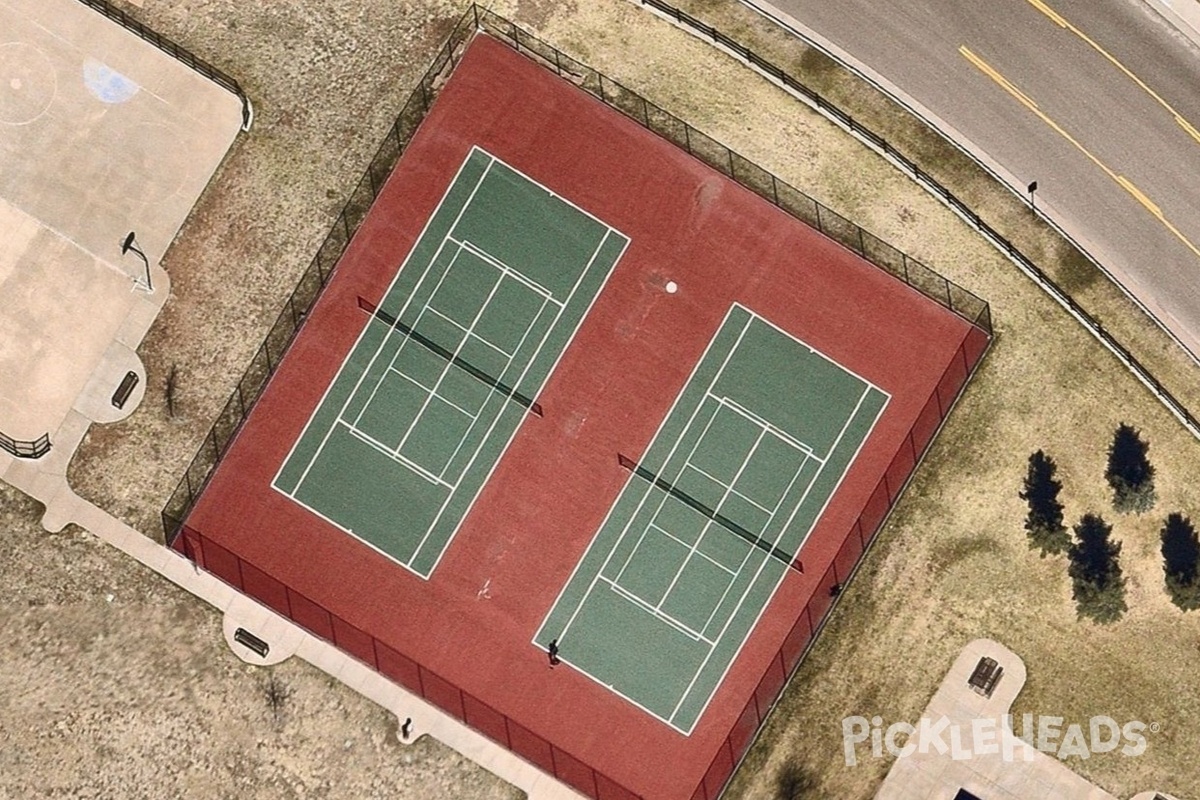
1121	180
1061	21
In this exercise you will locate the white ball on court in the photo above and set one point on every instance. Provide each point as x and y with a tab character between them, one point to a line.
672	287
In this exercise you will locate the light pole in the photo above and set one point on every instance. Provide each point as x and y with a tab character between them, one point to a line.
128	245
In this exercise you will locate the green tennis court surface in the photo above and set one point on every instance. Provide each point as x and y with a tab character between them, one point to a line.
711	518
450	362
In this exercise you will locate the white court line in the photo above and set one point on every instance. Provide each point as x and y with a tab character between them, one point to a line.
504	272
446	367
656	613
783	572
633	475
505	269
562	351
367	327
770	521
493	391
406	339
724	485
682	543
745	460
737	408
469	334
432	393
805	450
524	370
815	351
382	448
612	509
662	501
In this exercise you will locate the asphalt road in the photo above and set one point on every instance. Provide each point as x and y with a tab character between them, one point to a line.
1093	99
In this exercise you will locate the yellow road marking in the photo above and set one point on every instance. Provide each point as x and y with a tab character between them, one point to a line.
1121	180
1059	20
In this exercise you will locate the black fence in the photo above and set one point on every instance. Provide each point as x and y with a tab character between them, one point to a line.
35	449
315	276
308	613
750	175
1003	243
167	46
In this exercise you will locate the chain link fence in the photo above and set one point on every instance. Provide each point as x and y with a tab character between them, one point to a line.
295	309
308	613
175	51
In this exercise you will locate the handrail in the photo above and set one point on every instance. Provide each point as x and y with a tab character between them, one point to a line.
22	449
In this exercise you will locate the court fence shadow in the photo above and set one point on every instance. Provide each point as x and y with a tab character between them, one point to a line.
473	711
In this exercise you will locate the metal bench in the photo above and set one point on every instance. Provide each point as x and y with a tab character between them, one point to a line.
985	677
249	640
128	384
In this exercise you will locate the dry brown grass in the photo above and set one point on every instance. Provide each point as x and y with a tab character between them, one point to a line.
952	563
114	684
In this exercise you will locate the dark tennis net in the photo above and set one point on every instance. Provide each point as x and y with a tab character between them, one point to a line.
447	355
762	544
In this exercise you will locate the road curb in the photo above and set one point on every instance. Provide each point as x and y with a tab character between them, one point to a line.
1183	15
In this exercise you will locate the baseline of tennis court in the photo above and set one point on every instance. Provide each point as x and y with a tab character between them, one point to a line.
450	362
711	518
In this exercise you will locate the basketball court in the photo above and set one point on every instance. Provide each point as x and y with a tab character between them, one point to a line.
101	134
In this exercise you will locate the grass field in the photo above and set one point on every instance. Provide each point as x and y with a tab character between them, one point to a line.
952	564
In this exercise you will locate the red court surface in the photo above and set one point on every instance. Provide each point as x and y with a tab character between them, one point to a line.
470	626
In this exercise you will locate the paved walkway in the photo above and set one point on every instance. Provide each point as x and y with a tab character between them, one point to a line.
1015	771
1182	14
45	480
58	369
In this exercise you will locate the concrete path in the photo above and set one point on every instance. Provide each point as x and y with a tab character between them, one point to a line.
100	132
45	480
996	766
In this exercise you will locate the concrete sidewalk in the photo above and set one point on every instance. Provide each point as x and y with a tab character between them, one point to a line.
1183	15
992	763
45	480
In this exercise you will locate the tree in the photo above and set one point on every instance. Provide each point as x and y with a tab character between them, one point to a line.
1044	522
1097	583
794	782
1181	562
1129	473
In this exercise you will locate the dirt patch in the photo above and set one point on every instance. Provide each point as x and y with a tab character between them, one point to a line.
114	683
951	565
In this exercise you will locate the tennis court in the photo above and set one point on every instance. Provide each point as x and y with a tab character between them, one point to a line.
711	518
450	362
